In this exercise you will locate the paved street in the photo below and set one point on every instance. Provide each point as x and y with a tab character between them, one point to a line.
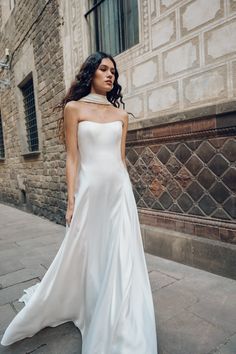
195	310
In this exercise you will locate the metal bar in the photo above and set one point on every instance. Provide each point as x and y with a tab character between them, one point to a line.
4	65
92	8
30	116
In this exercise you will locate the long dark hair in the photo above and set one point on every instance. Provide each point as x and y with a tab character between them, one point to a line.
81	86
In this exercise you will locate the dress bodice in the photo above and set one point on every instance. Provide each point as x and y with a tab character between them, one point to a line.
99	143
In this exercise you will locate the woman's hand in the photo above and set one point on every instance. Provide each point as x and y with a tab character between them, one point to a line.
69	213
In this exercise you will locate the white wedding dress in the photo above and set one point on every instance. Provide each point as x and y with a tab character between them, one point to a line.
98	278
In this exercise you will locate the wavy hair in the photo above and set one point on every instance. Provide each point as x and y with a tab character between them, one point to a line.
81	87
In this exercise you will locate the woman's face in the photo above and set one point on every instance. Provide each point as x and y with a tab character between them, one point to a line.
104	77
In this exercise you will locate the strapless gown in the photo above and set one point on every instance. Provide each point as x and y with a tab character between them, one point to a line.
98	278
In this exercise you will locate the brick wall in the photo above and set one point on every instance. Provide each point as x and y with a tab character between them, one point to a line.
32	34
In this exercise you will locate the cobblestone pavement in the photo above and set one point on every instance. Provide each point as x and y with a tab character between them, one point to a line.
195	310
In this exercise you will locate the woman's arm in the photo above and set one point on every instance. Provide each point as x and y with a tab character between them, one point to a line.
71	138
123	139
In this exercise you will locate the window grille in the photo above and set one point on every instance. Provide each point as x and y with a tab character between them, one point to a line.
114	25
2	149
30	115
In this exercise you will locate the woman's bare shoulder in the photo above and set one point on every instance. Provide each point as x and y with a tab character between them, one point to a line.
122	114
73	109
120	111
72	105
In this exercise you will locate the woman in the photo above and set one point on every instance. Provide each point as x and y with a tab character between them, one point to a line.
99	278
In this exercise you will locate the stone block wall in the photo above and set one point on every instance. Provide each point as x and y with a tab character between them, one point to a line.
182	61
35	182
189	61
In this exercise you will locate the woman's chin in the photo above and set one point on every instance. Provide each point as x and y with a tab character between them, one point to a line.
108	89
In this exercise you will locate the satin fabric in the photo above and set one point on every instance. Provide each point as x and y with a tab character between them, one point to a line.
98	278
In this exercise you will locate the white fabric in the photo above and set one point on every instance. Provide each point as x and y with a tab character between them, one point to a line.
98	279
95	98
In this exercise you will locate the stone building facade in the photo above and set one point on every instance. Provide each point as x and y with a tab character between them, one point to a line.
179	81
33	180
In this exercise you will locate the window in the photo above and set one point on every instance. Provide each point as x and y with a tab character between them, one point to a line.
30	115
11	4
2	150
113	25
6	7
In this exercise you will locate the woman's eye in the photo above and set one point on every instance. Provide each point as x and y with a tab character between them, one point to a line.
104	69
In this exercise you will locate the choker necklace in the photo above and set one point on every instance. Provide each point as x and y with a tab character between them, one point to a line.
95	98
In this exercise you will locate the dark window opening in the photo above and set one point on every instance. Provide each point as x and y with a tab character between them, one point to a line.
114	25
30	115
2	149
23	197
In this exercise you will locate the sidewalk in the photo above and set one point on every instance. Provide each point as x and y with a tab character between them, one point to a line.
195	310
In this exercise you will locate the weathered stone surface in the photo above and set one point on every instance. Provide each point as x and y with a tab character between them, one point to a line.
199	12
173	165
232	5
14	292
183	328
206	254
164	31
163	98
174	188
21	275
229	150
205	87
189	54
123	80
166	4
65	338
6	314
38	52
159	280
177	299
155	167
183	177
156	187
7	266
216	44
153	8
222	311
177	291
228	347
135	105
145	73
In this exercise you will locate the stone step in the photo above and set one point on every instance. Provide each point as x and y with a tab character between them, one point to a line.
213	256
